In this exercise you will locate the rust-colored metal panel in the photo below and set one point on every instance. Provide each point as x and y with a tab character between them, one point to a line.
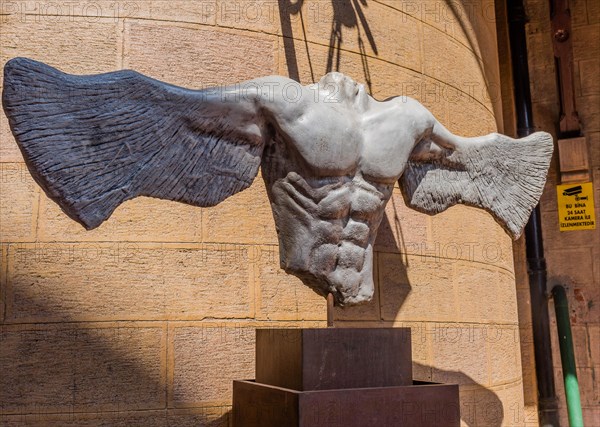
279	357
417	405
259	405
333	358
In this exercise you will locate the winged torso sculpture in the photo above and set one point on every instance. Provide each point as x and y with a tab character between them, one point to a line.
329	153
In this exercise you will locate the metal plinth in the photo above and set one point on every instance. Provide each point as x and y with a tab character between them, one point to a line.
342	377
333	358
417	405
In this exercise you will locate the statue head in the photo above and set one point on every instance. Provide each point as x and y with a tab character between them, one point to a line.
342	88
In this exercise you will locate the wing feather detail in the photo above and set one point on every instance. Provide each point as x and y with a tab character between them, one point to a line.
93	142
502	175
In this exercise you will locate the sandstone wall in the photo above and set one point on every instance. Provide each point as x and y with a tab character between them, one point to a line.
148	319
573	257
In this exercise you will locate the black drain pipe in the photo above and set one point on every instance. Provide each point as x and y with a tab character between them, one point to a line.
536	264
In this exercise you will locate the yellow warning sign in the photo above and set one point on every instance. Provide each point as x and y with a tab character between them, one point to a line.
576	206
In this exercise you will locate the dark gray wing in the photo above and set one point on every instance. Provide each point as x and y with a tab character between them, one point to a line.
93	142
502	175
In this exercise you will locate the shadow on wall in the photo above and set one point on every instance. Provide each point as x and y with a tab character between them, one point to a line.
70	374
485	67
104	375
113	373
80	374
347	14
117	370
479	405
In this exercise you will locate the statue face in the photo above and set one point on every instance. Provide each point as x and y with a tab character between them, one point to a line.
342	88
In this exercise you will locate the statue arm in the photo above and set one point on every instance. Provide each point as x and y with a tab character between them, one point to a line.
502	175
435	142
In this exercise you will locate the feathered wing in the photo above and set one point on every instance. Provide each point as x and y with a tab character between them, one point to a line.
93	142
502	175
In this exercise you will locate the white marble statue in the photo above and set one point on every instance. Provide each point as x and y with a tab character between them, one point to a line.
329	154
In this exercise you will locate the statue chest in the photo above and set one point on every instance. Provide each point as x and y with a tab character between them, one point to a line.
333	142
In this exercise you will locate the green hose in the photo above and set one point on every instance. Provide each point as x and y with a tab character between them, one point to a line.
567	356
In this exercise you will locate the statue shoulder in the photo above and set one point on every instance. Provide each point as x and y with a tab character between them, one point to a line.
281	97
409	109
405	103
274	89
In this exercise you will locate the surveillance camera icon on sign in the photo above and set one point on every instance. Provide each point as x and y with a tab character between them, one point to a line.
573	191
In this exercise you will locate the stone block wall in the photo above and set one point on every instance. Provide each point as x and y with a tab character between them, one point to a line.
573	257
147	319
